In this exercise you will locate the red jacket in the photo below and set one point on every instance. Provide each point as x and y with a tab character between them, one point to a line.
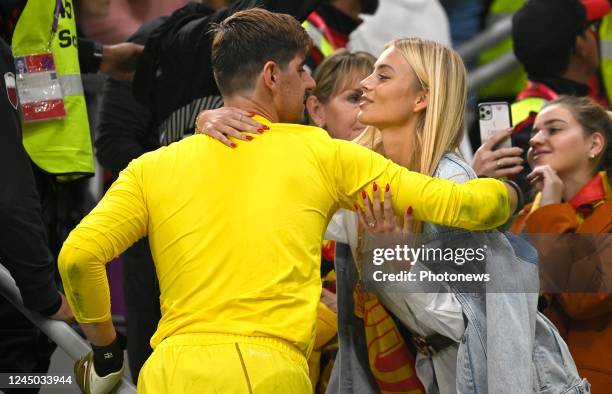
583	319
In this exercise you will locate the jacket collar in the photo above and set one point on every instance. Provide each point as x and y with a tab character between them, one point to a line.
591	193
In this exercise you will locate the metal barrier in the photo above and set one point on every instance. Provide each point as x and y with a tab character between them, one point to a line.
483	41
59	332
499	31
488	72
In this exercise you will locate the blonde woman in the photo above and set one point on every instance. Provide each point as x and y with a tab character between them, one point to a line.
414	105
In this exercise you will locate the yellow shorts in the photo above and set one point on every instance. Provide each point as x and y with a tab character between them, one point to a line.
224	363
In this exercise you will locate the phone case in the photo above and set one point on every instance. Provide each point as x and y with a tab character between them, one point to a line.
494	117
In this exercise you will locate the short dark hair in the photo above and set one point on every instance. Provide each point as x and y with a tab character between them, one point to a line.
245	41
544	35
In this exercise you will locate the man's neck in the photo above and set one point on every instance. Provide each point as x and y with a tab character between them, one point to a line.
252	105
577	73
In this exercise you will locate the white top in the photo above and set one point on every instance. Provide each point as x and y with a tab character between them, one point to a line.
401	19
422	313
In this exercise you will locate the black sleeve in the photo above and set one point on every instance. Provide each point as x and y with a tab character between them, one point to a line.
88	61
125	128
23	241
299	9
175	68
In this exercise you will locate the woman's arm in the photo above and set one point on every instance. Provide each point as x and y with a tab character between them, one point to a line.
479	204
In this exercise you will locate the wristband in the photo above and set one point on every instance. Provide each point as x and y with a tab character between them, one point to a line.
519	193
98	54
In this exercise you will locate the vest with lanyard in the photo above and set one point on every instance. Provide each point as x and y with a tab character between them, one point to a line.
61	147
530	101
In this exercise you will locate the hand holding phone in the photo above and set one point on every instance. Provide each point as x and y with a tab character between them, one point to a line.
496	158
494	117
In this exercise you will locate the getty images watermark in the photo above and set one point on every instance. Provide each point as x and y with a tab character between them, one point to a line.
405	255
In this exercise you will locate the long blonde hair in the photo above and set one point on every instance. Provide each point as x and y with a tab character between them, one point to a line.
442	74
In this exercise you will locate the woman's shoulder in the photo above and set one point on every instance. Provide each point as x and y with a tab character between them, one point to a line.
454	168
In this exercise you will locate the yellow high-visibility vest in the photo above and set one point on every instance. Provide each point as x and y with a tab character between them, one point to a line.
522	108
318	38
509	84
605	53
63	146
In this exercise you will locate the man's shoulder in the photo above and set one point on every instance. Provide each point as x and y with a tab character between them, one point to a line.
175	149
311	133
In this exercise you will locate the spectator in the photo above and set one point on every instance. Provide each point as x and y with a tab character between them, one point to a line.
23	245
571	157
331	24
334	103
60	150
553	41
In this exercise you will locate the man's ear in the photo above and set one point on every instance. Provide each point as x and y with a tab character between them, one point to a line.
580	44
316	112
270	75
421	102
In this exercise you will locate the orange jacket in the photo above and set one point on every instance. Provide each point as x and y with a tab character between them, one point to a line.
583	319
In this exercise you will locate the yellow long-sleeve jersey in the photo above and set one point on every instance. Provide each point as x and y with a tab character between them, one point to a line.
236	233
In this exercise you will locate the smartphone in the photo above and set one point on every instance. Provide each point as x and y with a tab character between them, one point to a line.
494	117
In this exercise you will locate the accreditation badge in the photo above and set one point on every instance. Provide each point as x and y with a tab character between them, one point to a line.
39	88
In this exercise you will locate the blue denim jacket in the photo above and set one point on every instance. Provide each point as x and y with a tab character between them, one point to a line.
507	346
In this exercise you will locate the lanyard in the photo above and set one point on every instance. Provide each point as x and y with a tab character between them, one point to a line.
54	24
58	7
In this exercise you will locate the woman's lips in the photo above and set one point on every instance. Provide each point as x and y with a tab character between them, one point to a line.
539	154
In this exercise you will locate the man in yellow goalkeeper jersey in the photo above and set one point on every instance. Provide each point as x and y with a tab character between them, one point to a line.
236	233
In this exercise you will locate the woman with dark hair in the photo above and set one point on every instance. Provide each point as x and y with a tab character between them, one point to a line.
571	156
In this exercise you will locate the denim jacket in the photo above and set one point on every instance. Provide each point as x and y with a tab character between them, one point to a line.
507	346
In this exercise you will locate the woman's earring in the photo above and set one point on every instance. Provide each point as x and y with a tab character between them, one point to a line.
592	156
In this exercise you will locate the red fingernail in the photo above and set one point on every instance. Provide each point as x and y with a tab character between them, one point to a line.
262	129
249	138
375	187
356	207
233	145
387	187
265	127
363	195
252	114
409	210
